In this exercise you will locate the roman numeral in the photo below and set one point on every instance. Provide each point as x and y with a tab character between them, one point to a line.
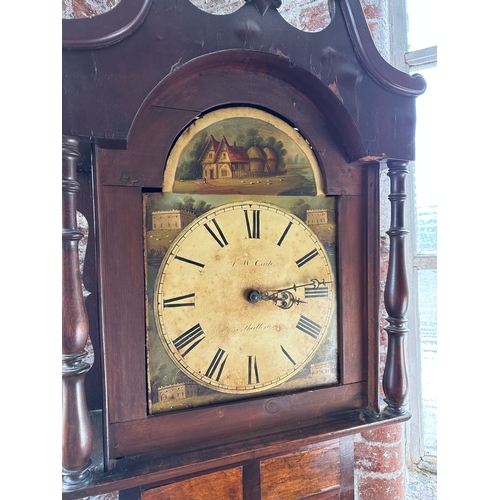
307	257
188	261
215	364
314	293
254	228
308	326
191	338
171	302
252	370
287	355
285	232
222	243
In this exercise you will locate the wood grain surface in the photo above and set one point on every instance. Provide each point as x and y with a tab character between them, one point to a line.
226	484
301	474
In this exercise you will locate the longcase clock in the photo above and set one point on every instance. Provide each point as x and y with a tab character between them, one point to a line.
231	187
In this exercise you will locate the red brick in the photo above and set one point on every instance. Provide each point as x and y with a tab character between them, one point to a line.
84	9
383	324
384	266
373	27
315	18
371	488
372	11
382	459
389	434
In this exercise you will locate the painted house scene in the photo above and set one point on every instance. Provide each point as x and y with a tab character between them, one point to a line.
220	159
242	151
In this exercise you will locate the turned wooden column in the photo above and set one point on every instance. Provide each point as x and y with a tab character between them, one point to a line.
396	295
76	425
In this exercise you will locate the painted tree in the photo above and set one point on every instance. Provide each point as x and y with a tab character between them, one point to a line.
300	209
191	168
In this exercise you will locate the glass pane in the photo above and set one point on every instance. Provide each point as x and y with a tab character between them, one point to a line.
426	164
422	24
427	301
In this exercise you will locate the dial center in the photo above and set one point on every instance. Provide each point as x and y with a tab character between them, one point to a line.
253	296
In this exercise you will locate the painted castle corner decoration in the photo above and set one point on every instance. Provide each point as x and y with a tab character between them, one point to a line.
242	151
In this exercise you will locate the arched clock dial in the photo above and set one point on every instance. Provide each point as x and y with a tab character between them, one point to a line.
244	297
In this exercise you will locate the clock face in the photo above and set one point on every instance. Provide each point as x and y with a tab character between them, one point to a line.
244	297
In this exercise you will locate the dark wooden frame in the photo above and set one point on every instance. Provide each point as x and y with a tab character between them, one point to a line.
355	110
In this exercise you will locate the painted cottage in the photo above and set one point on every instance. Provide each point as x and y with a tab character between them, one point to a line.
221	160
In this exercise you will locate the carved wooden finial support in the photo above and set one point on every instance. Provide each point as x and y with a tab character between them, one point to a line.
396	295
76	425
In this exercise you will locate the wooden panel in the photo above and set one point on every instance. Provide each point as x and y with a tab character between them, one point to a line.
156	128
251	481
301	474
352	280
174	464
226	484
175	33
373	283
190	427
347	468
122	278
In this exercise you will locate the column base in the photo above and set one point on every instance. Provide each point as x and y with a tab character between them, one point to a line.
74	479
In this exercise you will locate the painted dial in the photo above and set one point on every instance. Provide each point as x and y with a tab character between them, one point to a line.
207	323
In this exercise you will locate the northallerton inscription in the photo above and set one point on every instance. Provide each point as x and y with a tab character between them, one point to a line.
258	326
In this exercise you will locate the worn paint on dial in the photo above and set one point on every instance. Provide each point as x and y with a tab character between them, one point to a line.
205	320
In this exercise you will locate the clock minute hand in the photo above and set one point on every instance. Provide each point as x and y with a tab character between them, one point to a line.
314	282
283	297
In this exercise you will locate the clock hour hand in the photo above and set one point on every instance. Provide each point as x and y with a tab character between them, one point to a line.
283	299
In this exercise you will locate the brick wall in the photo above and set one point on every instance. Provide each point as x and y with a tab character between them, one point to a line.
380	471
379	455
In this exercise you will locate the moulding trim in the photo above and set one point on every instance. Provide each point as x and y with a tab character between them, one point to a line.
105	29
382	72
